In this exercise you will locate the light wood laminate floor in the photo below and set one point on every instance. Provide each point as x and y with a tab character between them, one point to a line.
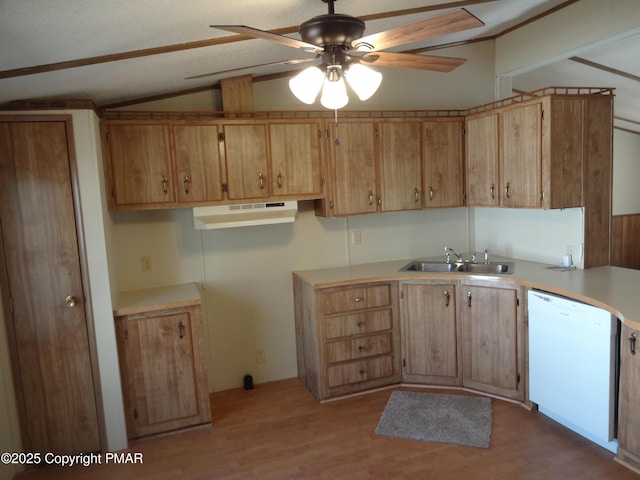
279	431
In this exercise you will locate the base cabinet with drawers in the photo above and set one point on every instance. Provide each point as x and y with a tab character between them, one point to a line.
162	362
348	338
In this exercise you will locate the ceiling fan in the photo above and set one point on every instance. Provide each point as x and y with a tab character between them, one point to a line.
345	53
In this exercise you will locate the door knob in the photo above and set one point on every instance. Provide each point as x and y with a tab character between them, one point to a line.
71	301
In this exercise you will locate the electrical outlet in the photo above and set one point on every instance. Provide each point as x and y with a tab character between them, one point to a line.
356	237
145	263
260	357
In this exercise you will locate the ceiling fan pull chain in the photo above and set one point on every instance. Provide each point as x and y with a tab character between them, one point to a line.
336	141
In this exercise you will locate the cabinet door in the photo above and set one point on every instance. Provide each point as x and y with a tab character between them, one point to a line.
492	340
628	414
430	345
354	172
245	149
400	166
482	161
296	159
140	164
160	370
443	163
521	156
197	163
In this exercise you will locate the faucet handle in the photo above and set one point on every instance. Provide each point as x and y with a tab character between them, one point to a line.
486	255
474	257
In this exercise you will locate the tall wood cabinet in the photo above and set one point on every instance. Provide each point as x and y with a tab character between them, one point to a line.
347	338
162	360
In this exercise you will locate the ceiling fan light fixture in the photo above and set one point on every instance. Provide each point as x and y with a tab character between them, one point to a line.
307	84
334	91
363	80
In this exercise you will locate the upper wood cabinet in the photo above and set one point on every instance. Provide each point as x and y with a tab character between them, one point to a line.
353	168
168	164
443	163
520	158
374	167
482	160
296	158
198	166
536	154
400	166
246	161
138	161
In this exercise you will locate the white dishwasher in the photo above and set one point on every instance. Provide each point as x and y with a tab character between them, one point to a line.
573	365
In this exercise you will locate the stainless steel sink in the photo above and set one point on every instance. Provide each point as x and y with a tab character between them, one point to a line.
466	267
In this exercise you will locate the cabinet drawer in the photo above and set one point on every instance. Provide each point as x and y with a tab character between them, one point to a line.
358	323
360	371
359	347
356	298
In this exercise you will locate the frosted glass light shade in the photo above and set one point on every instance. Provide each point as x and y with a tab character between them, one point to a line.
334	94
307	84
363	80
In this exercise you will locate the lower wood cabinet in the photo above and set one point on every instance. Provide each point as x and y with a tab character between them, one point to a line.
492	338
163	370
628	412
347	338
430	331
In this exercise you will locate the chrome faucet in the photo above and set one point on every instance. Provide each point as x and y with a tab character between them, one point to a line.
448	252
486	256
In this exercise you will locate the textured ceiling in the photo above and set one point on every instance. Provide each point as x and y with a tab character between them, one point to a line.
122	51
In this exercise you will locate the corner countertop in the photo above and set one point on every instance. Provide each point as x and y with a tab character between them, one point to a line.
614	289
155	299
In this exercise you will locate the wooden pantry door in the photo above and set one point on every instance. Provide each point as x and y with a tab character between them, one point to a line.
42	285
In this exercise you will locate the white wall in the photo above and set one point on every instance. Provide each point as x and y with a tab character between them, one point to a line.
626	172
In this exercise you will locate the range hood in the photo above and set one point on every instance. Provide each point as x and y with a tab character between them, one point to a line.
244	215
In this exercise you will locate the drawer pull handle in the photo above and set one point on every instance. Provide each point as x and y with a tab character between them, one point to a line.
261	180
186	183
632	342
469	299
447	297
416	195
164	181
357	299
279	176
507	193
493	190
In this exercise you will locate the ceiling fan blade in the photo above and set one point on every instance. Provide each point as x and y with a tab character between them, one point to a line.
263	34
421	30
409	60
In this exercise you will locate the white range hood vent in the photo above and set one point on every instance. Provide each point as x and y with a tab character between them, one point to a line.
244	215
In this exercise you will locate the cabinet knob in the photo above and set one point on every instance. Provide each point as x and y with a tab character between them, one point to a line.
165	182
431	193
493	191
279	178
416	195
357	299
507	189
632	342
71	301
261	180
447	297
469	299
370	197
186	181
180	329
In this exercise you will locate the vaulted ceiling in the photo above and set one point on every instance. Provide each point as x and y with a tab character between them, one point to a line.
125	51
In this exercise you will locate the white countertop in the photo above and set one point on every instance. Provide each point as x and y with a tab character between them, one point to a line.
614	289
159	298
